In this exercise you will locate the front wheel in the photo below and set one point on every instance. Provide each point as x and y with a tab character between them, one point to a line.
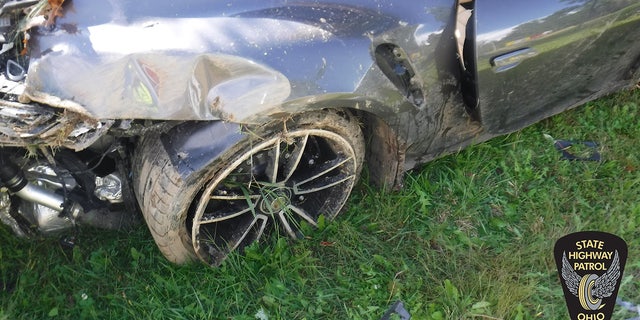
279	176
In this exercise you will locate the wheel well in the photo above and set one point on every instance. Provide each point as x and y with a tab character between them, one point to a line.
385	151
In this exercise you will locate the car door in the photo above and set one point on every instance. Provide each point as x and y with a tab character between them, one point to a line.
537	58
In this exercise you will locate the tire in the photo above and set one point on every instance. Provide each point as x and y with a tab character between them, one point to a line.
279	176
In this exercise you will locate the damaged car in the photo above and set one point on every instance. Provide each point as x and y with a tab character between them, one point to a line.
221	121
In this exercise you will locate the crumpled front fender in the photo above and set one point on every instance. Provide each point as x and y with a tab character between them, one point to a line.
157	86
207	60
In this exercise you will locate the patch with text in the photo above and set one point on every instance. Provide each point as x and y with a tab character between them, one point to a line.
590	265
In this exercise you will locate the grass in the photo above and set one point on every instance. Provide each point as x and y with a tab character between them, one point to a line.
470	236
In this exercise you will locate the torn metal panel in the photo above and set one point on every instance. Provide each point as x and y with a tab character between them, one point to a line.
24	125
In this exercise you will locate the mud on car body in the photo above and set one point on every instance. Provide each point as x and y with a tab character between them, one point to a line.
223	120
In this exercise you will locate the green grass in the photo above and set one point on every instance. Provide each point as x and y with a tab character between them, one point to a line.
470	236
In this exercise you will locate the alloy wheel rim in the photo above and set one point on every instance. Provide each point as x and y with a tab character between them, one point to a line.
283	182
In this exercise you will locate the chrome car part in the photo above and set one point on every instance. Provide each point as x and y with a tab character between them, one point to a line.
41	196
6	217
41	205
109	188
44	174
14	179
46	219
44	197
